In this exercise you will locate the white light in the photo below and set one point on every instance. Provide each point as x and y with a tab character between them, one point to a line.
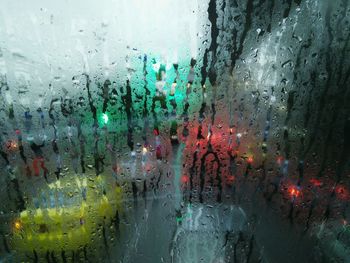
273	99
156	66
105	118
169	66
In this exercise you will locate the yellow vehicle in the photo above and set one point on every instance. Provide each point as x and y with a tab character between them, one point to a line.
66	214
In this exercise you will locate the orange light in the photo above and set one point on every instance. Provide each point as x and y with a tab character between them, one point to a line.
294	192
11	145
230	178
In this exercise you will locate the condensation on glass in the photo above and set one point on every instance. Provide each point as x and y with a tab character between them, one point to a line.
174	131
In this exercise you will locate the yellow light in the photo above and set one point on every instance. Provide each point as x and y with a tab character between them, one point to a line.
14	145
144	150
18	225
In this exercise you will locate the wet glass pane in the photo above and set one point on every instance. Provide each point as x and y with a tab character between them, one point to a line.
175	131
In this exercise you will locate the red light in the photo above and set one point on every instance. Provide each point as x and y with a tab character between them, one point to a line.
339	190
250	160
147	167
184	179
342	192
315	182
155	132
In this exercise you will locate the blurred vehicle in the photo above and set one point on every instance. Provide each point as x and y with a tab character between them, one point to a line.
66	214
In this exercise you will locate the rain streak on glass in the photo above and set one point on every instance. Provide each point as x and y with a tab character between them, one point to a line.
175	131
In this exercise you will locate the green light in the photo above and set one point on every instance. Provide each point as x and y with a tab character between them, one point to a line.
105	118
178	219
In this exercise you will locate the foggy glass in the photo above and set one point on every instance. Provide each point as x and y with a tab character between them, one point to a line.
174	131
